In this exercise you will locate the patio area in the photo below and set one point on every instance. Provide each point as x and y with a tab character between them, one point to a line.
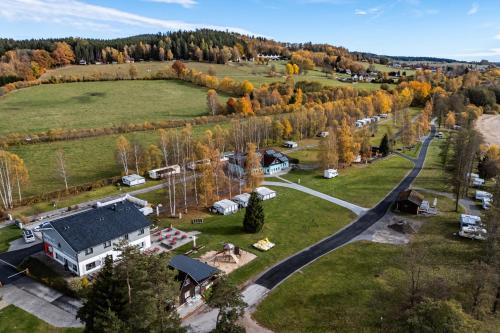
171	238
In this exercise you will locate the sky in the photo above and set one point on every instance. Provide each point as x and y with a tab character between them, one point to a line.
460	29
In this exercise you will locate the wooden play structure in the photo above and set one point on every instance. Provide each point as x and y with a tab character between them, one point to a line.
228	254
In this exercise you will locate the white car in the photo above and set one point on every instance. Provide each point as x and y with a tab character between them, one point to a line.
439	135
28	235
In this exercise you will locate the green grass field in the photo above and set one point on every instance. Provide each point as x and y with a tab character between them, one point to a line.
363	185
338	292
16	320
433	176
257	74
99	104
293	220
7	235
87	159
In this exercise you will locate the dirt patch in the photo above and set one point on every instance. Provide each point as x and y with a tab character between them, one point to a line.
251	325
391	229
225	262
488	125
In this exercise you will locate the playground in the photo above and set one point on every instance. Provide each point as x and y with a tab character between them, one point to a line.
229	258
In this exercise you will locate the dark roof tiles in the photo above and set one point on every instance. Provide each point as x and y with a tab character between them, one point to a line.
197	270
98	225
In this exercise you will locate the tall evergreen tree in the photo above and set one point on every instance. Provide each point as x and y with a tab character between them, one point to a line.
104	301
254	214
385	145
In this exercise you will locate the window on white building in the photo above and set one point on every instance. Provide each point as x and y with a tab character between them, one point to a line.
90	266
107	244
89	251
141	232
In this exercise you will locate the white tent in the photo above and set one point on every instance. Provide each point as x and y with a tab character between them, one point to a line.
225	207
242	199
265	193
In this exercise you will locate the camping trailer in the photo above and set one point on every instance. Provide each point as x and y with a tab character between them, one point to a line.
133	180
165	171
483	194
330	173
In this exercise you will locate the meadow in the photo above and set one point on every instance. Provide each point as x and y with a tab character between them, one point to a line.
364	184
258	74
352	295
87	159
99	104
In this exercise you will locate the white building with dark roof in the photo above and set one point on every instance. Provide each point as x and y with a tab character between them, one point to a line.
271	162
83	240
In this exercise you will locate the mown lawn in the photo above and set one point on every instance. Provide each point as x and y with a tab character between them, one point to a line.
364	185
16	320
99	104
87	160
7	235
338	292
433	176
293	220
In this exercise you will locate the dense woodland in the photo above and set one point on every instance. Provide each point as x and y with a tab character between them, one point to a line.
28	59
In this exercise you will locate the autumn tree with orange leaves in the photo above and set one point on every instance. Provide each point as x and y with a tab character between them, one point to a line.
346	144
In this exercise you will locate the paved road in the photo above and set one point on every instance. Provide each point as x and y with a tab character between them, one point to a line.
352	207
57	213
10	260
32	296
278	273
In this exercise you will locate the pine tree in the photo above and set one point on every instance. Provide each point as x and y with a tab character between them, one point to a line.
254	214
104	300
385	145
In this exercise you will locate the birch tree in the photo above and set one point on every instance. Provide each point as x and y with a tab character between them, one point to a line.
123	150
62	170
13	175
328	151
137	154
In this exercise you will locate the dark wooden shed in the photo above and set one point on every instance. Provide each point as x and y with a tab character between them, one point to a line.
409	201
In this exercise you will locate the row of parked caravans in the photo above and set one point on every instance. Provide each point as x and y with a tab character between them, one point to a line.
471	227
366	121
475	179
485	197
226	206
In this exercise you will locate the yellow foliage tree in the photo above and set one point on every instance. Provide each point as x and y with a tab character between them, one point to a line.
253	170
450	119
287	128
246	87
244	106
345	143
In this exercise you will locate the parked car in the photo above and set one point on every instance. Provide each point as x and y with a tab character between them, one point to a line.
28	235
439	135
